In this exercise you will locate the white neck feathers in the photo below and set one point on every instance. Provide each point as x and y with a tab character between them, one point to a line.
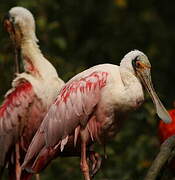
34	61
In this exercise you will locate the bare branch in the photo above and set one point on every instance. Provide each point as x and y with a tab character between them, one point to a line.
164	154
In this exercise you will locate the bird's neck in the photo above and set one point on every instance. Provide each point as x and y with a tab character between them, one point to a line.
34	61
133	91
128	77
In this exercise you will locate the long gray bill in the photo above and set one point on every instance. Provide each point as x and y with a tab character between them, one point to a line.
17	59
160	109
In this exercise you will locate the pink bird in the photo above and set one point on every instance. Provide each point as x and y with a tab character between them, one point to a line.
31	95
90	108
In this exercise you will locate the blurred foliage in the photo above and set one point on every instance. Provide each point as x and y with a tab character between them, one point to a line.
75	35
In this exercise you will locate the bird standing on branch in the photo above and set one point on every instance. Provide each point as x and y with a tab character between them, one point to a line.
91	106
31	95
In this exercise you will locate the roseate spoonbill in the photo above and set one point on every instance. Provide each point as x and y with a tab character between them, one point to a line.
167	130
31	95
91	105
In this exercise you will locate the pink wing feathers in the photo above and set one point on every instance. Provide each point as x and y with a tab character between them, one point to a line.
12	113
15	106
74	104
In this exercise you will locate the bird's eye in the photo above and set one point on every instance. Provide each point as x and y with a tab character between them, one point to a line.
137	63
12	19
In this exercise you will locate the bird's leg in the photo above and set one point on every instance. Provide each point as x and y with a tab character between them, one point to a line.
96	162
37	177
18	167
83	163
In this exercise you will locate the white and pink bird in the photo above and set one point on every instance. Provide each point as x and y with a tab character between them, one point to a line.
90	108
31	95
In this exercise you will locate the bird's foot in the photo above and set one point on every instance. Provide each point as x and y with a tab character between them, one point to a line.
96	163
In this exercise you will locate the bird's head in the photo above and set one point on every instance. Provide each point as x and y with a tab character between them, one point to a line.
20	24
138	63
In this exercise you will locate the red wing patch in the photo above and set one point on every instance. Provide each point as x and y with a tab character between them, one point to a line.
85	84
74	104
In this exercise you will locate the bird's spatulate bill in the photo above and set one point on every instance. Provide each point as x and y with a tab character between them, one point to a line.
160	109
10	29
17	59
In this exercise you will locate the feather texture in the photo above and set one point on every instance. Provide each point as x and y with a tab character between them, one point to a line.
12	113
14	107
74	104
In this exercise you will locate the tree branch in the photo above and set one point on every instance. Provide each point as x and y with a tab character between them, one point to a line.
164	154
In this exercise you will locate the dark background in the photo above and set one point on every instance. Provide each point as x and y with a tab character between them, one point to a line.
75	35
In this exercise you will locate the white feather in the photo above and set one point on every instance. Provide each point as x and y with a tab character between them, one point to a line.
45	80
